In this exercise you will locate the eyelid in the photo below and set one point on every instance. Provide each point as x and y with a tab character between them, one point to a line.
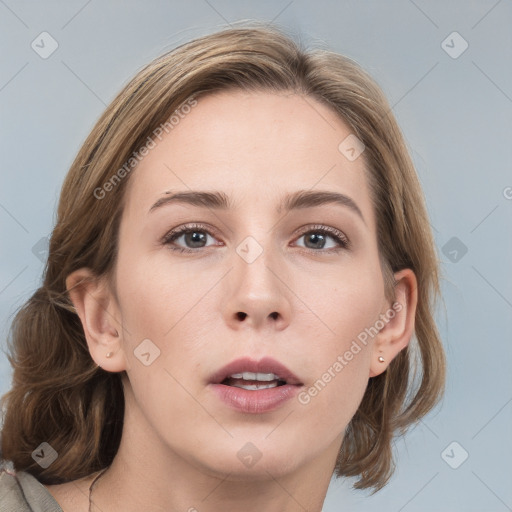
183	228
334	232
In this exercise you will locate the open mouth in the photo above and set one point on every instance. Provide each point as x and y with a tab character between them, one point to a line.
254	381
254	387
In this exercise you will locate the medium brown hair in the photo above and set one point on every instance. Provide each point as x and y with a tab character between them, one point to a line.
61	397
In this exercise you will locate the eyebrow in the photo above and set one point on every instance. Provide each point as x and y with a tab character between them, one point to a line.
299	200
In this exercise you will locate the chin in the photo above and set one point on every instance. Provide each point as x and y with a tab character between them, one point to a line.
253	461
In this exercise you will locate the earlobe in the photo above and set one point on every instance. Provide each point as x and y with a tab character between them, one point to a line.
398	320
95	305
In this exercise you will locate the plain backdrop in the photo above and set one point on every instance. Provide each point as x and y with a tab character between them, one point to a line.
445	67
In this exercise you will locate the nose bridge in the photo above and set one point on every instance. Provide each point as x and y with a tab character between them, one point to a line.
257	294
254	259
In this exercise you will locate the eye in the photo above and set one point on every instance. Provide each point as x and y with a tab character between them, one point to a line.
316	237
196	235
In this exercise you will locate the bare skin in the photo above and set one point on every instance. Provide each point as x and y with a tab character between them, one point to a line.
305	304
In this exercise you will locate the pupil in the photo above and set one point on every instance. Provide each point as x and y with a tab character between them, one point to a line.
318	237
196	237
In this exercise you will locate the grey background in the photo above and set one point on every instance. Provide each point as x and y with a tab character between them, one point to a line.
456	117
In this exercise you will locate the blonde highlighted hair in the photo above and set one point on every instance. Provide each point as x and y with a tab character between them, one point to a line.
61	397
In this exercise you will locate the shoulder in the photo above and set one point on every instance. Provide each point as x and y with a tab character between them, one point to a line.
22	492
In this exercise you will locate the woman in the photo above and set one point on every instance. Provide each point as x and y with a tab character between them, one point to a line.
240	283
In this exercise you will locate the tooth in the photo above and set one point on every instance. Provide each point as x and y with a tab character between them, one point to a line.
237	376
265	376
254	387
249	376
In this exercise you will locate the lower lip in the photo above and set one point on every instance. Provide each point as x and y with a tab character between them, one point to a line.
255	401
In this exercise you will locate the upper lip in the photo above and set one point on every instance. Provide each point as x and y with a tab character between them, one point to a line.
265	365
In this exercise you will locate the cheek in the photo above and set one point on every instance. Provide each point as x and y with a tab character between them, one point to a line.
340	379
344	302
341	356
155	296
158	305
171	306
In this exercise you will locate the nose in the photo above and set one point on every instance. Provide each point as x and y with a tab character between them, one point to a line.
258	293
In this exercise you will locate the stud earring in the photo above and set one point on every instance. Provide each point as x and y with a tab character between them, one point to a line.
110	354
381	359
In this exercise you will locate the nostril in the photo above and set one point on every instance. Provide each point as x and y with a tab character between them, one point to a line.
241	315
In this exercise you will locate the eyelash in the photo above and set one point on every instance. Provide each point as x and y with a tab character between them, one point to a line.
337	235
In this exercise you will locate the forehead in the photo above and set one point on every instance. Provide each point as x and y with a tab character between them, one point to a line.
255	147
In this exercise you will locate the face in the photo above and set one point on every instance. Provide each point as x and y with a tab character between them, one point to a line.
252	280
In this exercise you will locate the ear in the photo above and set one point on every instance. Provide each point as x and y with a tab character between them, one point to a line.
98	310
398	320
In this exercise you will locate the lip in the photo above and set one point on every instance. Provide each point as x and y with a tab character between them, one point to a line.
255	401
265	365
